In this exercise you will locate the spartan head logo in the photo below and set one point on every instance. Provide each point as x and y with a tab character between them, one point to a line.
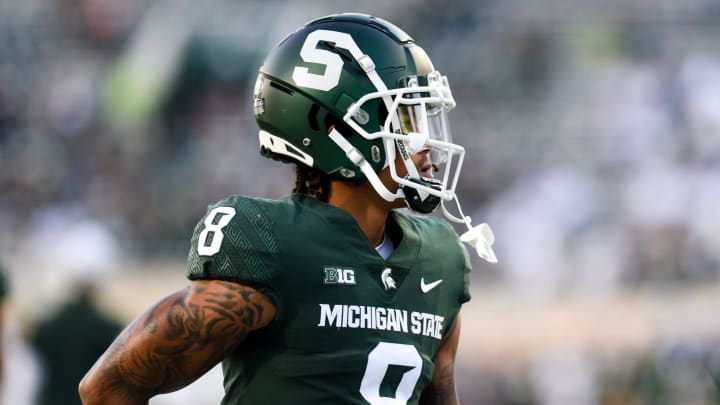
387	279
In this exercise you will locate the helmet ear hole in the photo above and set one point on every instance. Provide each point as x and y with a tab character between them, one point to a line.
332	121
312	117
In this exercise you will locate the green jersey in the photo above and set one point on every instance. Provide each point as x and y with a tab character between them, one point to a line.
351	328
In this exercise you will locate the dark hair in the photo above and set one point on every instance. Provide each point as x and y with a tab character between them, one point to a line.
312	182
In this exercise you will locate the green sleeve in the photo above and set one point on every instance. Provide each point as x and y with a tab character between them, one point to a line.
234	241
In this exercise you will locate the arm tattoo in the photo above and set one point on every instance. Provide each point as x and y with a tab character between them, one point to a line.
179	339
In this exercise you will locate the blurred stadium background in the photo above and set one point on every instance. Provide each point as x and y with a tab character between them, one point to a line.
593	137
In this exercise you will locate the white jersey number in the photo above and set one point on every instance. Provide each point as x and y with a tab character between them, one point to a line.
333	62
382	356
213	230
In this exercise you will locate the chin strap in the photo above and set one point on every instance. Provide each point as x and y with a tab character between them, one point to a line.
359	160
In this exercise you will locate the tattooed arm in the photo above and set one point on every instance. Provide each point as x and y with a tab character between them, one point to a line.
441	390
175	342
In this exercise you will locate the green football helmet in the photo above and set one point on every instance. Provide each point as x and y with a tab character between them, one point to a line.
345	94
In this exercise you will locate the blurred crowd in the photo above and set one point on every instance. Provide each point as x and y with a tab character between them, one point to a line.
592	132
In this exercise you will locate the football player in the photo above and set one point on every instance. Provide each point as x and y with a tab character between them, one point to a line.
329	295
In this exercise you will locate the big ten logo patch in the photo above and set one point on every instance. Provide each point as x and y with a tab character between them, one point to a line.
338	275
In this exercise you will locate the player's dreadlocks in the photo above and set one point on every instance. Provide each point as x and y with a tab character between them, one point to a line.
312	182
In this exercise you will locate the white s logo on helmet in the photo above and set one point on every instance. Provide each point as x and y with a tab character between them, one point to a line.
332	61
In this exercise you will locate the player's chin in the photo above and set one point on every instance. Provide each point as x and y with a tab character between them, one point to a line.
399	203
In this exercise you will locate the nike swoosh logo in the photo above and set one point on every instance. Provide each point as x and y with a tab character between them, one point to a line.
427	287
